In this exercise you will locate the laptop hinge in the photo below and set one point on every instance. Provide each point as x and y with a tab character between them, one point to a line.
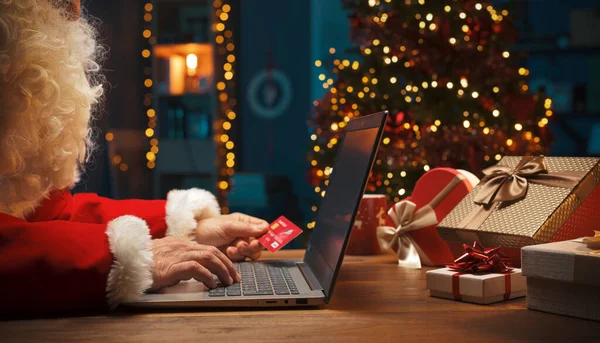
310	278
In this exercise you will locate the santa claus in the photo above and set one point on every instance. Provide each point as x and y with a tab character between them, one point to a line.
64	252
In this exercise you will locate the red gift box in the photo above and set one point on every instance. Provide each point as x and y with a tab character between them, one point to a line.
411	223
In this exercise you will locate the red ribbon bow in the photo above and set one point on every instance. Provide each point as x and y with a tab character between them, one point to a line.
477	259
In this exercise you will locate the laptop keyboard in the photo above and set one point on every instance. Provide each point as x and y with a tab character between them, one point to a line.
258	279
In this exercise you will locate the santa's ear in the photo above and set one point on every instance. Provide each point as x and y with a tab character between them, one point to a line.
72	8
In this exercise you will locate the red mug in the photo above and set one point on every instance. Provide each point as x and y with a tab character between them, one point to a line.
372	213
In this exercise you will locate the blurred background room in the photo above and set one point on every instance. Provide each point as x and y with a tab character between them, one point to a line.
247	98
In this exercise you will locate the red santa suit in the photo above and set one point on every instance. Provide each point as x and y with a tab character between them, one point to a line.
89	252
57	251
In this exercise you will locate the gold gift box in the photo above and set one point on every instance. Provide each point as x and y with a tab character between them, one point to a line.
544	214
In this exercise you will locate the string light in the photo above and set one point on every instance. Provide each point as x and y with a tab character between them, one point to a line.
225	122
152	152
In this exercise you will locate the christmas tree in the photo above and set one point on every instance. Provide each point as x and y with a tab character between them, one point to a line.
456	95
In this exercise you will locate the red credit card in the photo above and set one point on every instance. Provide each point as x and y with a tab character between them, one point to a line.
280	233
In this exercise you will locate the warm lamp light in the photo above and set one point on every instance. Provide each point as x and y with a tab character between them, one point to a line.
191	61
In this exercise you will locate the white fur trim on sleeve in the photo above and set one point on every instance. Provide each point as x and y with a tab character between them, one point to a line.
131	274
186	207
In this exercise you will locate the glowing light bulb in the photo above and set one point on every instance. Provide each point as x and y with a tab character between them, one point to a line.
191	61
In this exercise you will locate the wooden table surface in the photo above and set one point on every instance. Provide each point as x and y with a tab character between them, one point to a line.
373	300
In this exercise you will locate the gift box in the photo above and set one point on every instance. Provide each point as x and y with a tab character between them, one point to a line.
410	224
563	278
528	200
475	288
480	275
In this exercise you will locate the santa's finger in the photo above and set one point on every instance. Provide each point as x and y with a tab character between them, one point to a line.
251	220
207	250
214	264
255	246
234	254
191	269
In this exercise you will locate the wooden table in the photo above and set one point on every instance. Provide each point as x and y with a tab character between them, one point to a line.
374	300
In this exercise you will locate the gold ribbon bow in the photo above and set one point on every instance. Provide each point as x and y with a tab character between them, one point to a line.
406	219
502	183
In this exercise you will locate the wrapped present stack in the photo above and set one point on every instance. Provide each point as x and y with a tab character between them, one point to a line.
410	228
564	277
528	200
481	276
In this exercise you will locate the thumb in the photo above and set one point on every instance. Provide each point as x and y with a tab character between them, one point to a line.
244	229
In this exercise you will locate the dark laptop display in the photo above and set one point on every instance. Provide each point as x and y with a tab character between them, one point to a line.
334	221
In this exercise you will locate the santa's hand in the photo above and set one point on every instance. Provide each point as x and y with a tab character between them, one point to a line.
175	260
234	234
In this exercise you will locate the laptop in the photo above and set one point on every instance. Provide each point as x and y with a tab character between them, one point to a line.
298	283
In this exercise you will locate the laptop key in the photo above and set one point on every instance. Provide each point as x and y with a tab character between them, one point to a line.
282	292
269	292
234	294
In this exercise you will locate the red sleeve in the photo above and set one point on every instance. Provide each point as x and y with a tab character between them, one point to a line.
177	216
91	208
63	265
85	252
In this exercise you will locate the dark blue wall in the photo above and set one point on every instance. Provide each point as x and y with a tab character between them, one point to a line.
276	34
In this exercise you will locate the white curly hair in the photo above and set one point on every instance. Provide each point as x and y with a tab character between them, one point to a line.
49	83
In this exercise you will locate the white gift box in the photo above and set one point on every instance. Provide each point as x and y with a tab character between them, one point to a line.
476	288
563	278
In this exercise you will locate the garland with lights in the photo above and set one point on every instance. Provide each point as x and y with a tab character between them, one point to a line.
150	112
118	160
442	70
225	87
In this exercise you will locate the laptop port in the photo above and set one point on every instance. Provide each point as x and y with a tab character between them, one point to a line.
271	301
301	301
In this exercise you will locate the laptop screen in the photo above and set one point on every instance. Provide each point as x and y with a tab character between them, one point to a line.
334	221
